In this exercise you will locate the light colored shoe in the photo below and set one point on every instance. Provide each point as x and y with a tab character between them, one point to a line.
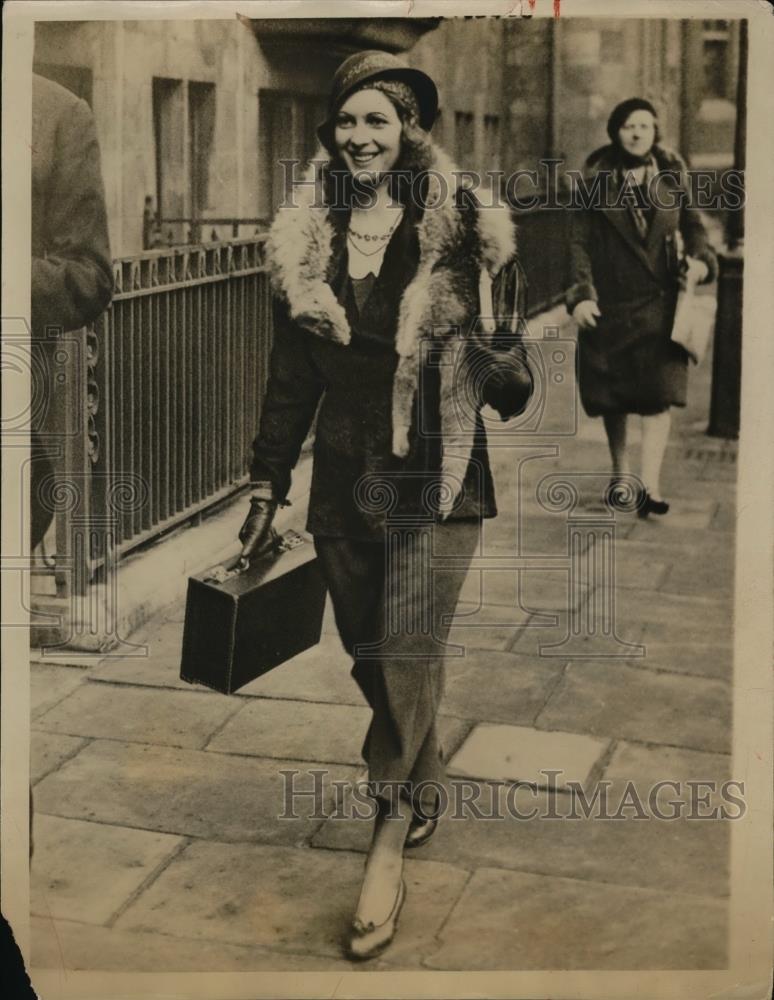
369	940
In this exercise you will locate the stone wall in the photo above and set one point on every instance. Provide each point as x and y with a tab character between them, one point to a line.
554	82
124	57
512	91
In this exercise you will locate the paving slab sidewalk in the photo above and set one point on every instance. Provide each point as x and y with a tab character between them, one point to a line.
168	796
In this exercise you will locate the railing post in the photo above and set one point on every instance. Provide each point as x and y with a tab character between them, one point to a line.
69	490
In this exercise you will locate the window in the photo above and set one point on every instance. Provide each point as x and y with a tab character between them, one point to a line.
183	132
464	135
287	131
201	129
491	142
168	134
715	58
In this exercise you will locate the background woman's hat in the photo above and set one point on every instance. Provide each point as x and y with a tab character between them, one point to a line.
367	65
621	112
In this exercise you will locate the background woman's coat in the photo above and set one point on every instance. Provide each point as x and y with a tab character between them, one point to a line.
628	363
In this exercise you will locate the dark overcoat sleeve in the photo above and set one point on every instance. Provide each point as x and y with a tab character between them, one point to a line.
691	226
72	281
696	240
293	391
580	278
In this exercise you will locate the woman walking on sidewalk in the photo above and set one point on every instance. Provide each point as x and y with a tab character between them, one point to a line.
625	262
378	251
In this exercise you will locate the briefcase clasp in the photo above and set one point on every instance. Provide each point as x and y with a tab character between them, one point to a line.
276	543
290	540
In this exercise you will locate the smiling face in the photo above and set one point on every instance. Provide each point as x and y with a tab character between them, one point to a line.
367	135
638	133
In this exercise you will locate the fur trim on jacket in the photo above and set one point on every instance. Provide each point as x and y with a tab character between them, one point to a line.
606	158
452	243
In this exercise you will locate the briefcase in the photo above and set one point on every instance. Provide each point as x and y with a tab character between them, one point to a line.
240	622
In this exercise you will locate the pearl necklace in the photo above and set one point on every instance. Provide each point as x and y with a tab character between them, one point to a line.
375	237
367	253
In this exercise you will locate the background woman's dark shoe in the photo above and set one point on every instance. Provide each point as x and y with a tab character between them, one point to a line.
369	940
651	506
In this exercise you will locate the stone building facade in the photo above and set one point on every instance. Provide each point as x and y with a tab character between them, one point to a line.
144	79
193	116
515	90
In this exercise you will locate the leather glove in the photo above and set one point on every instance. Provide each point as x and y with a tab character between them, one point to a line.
256	534
503	376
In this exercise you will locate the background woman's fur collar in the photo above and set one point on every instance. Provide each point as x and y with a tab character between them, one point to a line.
607	159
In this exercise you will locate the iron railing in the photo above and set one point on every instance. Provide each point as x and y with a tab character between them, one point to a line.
169	384
186	345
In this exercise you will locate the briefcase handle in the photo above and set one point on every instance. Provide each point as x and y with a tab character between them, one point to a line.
273	543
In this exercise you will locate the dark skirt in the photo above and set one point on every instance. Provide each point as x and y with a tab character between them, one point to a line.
630	367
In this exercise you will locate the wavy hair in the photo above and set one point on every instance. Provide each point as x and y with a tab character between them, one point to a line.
340	188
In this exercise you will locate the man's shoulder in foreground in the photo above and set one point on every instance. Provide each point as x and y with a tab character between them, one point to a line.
52	96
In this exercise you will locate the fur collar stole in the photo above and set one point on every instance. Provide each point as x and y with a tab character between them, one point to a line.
298	252
298	248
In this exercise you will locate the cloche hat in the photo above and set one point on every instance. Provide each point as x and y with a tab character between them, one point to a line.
371	64
621	112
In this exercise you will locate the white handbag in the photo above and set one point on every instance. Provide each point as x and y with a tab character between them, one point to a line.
694	321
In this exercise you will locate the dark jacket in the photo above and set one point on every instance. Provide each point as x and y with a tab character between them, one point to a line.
395	419
627	363
72	272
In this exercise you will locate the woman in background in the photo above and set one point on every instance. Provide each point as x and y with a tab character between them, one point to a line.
625	260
